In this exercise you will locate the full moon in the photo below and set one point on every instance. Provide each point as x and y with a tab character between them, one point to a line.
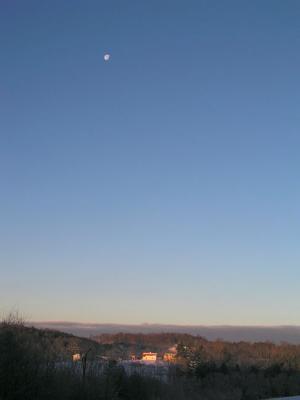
106	57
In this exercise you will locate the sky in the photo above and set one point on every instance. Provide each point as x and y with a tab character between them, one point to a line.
161	186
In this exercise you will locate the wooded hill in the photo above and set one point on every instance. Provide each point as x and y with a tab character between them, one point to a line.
55	345
262	354
205	371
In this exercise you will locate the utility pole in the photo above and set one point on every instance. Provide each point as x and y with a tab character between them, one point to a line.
83	361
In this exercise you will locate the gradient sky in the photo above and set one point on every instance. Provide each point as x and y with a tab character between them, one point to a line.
163	185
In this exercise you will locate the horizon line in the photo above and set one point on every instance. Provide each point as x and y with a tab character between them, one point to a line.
164	324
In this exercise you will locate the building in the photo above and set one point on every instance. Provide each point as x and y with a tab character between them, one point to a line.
76	357
169	357
149	356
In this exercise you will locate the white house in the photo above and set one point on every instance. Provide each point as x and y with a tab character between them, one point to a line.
149	356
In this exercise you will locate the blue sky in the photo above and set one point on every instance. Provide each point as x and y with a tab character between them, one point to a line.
163	185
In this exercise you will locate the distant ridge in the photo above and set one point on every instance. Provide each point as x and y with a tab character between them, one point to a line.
276	334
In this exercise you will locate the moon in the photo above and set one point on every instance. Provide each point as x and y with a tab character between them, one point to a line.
106	57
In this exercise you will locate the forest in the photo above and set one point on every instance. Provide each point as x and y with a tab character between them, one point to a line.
36	365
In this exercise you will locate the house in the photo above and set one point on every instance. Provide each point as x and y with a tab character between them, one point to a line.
169	357
76	357
149	356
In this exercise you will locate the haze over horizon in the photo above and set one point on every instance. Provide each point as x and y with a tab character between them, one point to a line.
161	185
276	334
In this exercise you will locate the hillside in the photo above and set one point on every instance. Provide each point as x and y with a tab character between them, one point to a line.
54	344
32	367
260	354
